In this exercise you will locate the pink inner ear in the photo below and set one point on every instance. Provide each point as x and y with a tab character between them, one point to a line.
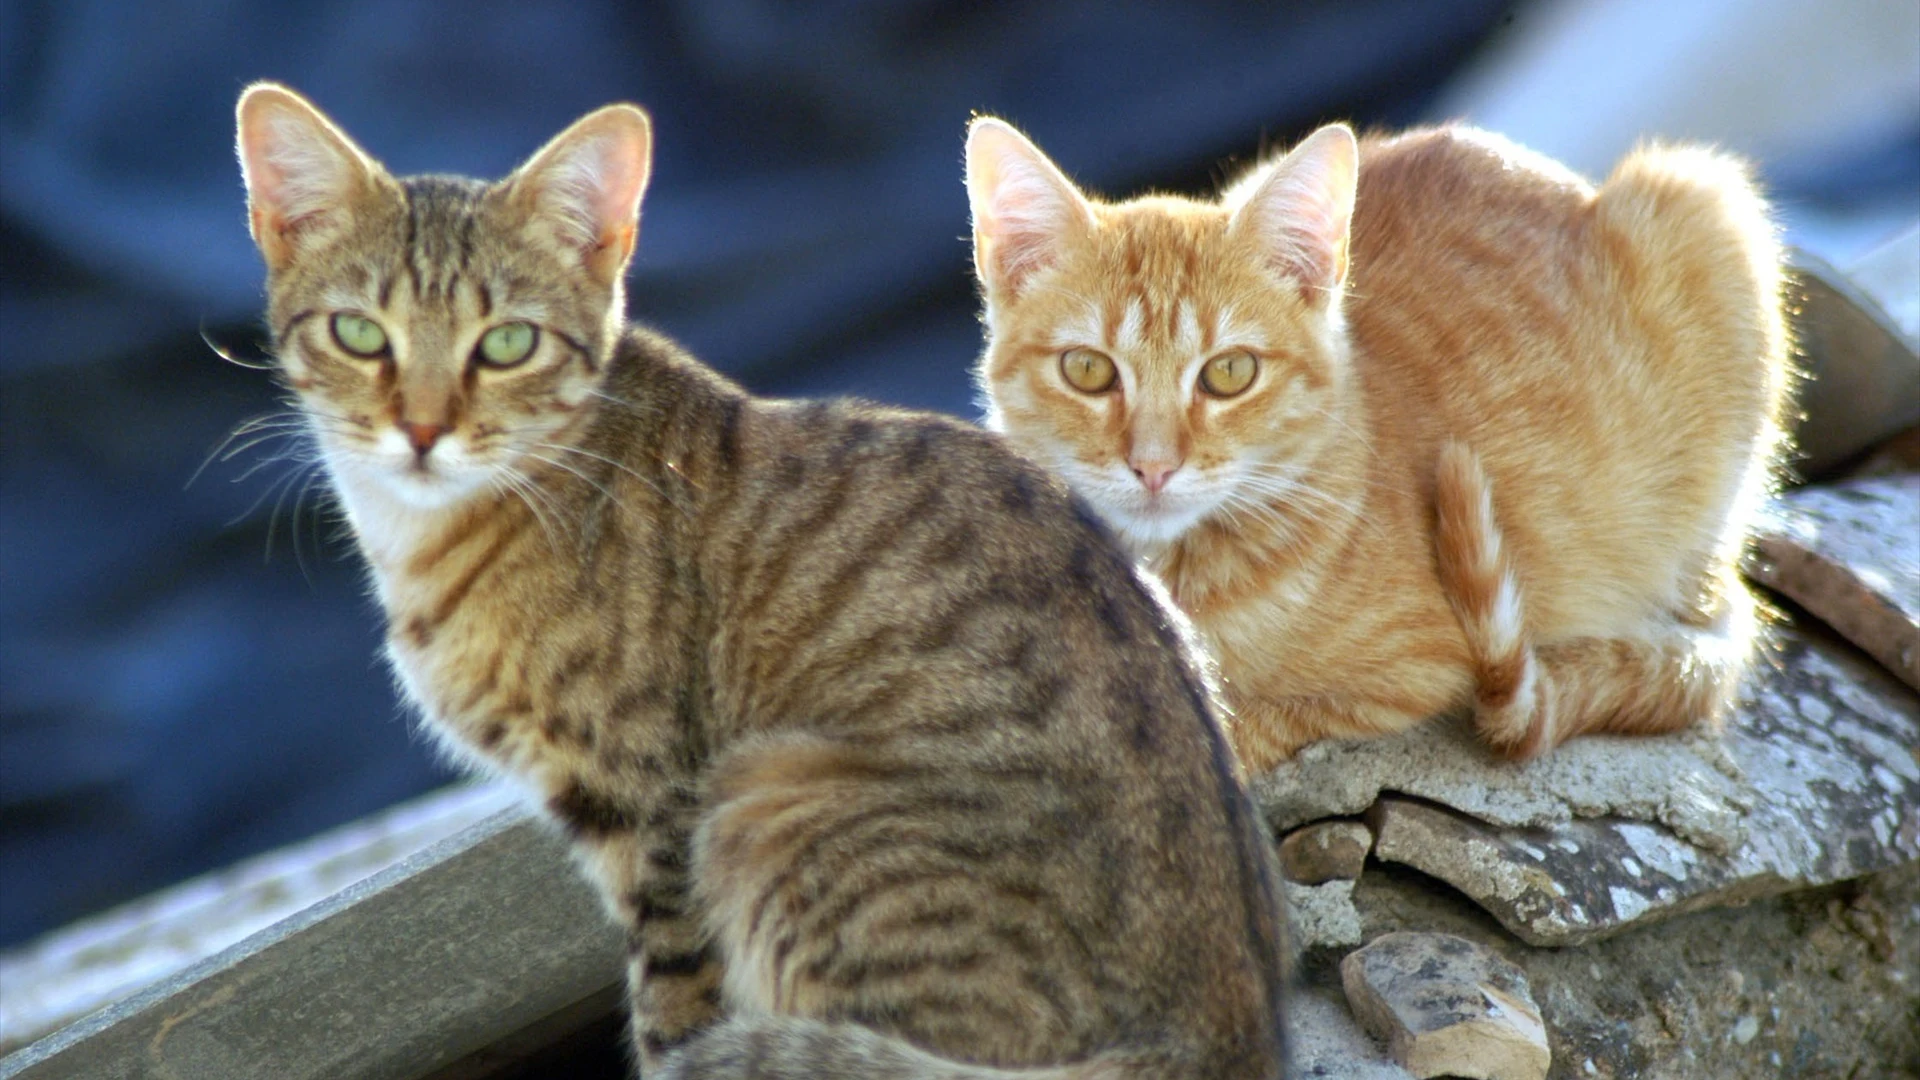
1302	212
591	191
1023	208
296	171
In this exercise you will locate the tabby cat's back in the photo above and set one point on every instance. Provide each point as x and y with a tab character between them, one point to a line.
882	753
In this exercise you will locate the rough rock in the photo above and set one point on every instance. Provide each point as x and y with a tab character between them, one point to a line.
1322	916
1447	1007
1325	851
1862	361
1827	744
1850	554
1826	980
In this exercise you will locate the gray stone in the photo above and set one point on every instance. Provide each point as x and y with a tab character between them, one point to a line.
1325	851
1862	364
1826	744
1447	1007
1322	916
1850	554
1831	975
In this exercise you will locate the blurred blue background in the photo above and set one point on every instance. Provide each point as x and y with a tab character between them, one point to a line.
188	672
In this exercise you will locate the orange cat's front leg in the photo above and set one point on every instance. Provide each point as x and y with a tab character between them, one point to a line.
1266	731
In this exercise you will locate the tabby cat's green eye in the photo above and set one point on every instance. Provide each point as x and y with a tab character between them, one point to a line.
358	334
508	344
1229	373
1087	371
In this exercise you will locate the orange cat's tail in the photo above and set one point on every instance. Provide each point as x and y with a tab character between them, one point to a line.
793	1048
1529	699
1480	583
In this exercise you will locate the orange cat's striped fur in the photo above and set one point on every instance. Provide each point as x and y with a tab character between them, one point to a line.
869	735
1411	424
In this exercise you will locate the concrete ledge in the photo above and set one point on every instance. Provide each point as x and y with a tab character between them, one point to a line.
401	976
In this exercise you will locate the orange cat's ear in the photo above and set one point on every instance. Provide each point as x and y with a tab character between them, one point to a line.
302	173
583	188
1024	209
1298	211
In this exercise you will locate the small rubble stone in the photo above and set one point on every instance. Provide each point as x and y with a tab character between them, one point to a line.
1322	916
1850	554
1325	851
1447	1007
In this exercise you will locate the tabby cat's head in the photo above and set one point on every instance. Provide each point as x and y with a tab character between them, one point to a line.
1172	359
439	330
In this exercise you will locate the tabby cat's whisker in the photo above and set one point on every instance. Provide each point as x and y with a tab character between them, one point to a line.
529	493
563	448
583	477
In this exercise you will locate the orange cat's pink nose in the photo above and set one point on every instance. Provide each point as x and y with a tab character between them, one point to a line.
1155	474
422	436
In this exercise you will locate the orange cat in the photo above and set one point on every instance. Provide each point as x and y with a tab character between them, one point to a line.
1411	424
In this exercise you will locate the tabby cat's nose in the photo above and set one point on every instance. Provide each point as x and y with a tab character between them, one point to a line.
422	436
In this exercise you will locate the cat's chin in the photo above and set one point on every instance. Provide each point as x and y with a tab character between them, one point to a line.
428	491
1149	529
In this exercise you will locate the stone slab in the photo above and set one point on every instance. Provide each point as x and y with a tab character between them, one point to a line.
1827	746
1850	555
1686	782
1862	363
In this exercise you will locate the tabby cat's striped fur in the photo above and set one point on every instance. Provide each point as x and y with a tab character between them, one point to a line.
885	757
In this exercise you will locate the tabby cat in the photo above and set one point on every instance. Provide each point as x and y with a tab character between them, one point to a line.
1410	424
887	759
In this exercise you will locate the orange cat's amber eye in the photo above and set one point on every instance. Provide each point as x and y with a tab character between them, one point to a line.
1229	373
1087	371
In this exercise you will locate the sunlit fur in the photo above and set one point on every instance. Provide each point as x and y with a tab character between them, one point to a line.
1503	449
887	759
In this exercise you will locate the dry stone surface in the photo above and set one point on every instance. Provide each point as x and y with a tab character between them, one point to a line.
1447	1007
1322	916
1850	554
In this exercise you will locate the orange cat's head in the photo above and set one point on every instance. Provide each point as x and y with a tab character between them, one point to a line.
1173	360
441	332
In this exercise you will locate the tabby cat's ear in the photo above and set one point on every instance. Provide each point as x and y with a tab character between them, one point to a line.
302	173
1024	209
1299	209
583	189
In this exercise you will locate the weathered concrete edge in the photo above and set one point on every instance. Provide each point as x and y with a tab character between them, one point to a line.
115	1041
